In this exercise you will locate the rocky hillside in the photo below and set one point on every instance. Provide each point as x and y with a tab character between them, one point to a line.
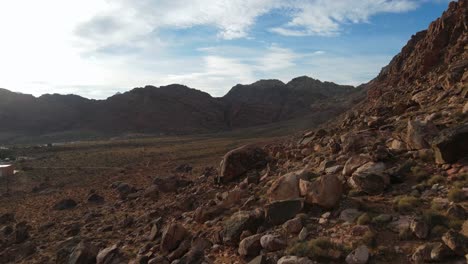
173	109
386	182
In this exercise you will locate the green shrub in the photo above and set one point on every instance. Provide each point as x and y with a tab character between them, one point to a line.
437	206
454	223
369	239
434	218
314	249
364	219
456	195
419	173
406	204
438	231
435	179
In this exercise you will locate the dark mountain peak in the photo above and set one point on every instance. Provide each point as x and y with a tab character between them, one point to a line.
267	83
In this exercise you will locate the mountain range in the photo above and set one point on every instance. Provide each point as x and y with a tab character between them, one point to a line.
172	109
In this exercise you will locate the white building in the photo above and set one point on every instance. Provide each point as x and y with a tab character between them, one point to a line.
6	170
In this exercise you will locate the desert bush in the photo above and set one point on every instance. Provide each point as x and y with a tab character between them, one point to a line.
315	249
369	239
456	195
364	219
435	179
406	204
438	231
419	173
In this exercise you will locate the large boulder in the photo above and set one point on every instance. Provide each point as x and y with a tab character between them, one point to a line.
83	253
456	242
239	222
325	191
272	243
451	145
430	252
359	256
239	161
370	178
172	236
419	134
278	212
250	246
286	187
353	163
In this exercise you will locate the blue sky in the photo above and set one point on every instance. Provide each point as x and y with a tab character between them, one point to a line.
96	48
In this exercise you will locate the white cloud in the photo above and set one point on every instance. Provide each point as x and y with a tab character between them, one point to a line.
98	47
325	17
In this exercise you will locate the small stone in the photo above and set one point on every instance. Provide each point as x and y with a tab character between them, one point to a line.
359	256
294	260
293	226
303	234
383	218
419	228
272	243
250	246
65	204
456	242
350	215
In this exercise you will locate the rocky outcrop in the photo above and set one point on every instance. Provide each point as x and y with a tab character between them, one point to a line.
451	145
325	191
239	161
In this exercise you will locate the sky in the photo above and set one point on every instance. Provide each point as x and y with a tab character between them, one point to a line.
96	48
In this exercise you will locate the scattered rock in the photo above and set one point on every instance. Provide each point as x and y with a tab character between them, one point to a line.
65	204
21	232
418	134
325	191
152	192
95	198
241	160
303	234
250	246
419	228
456	242
294	260
168	184
239	222
350	215
370	178
430	252
110	255
278	212
259	260
359	256
172	236
354	163
272	243
83	253
293	226
286	187
451	145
